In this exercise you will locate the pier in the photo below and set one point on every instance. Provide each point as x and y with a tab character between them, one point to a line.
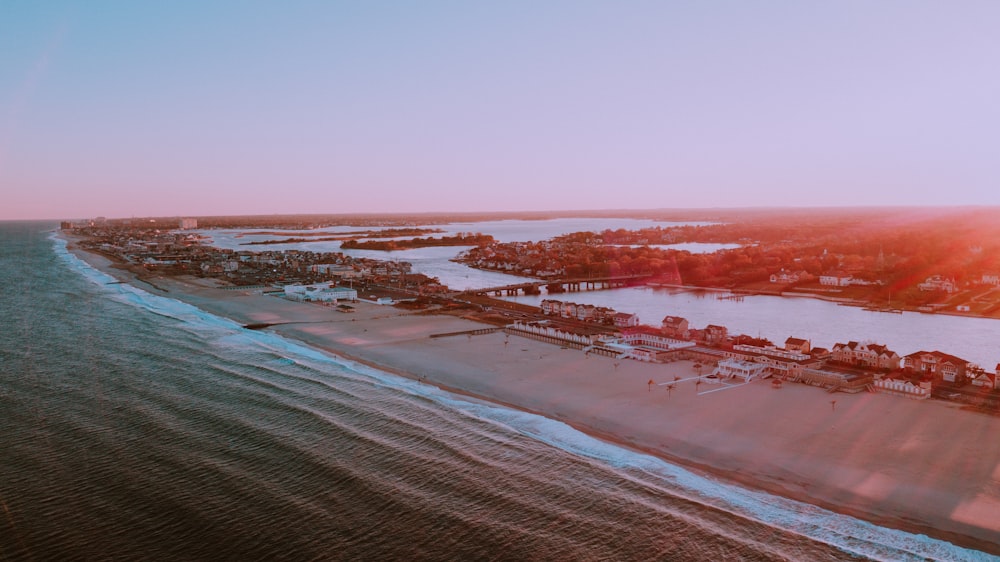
557	285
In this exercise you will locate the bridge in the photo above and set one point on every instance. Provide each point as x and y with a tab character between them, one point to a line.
557	285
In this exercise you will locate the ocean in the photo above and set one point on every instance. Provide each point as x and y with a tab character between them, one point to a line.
137	427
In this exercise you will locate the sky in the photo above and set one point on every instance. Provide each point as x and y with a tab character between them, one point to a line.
193	108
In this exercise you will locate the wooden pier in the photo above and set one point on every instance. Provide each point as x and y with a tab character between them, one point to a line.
557	285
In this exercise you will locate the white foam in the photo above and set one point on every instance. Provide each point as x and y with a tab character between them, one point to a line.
844	532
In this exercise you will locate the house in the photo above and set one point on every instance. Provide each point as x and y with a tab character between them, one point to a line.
983	379
835	279
821	353
797	344
942	366
737	368
784	277
784	364
869	355
714	334
551	307
991	279
675	326
938	283
625	320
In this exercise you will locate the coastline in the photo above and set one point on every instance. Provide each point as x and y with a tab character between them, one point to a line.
900	464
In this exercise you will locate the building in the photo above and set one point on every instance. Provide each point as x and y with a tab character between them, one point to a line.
797	344
625	320
576	337
187	224
319	293
342	271
582	312
983	379
736	368
991	279
904	388
785	364
715	335
868	355
942	366
835	279
647	337
938	283
675	326
784	277
852	383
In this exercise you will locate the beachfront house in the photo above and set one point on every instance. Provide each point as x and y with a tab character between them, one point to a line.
797	344
675	326
942	366
625	320
982	379
740	369
585	312
714	334
785	364
323	292
866	355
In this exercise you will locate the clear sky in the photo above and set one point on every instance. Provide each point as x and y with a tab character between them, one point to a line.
199	107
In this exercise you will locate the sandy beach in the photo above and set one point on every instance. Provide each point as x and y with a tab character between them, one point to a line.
925	467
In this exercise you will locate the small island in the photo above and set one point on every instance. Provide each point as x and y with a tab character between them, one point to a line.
461	239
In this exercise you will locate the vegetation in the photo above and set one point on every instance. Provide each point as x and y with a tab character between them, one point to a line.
461	239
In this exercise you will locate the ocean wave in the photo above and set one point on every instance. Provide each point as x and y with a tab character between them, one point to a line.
846	533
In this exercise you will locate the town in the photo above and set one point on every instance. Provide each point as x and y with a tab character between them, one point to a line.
170	248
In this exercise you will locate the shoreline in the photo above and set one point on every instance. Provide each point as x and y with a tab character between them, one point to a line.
709	433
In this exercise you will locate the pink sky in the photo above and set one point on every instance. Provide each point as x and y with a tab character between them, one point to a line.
233	108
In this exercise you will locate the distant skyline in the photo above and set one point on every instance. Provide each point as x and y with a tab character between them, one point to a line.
220	108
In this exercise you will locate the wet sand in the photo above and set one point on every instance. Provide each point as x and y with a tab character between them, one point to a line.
924	467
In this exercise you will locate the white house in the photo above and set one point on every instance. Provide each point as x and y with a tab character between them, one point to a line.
319	293
835	279
938	283
746	370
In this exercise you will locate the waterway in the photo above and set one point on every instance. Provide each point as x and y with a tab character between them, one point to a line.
775	318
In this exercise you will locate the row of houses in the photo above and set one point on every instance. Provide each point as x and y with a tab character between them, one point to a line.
588	313
850	367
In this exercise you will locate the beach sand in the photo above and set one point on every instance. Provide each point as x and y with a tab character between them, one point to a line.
925	467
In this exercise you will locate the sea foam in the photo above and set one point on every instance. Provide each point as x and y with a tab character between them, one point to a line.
847	533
